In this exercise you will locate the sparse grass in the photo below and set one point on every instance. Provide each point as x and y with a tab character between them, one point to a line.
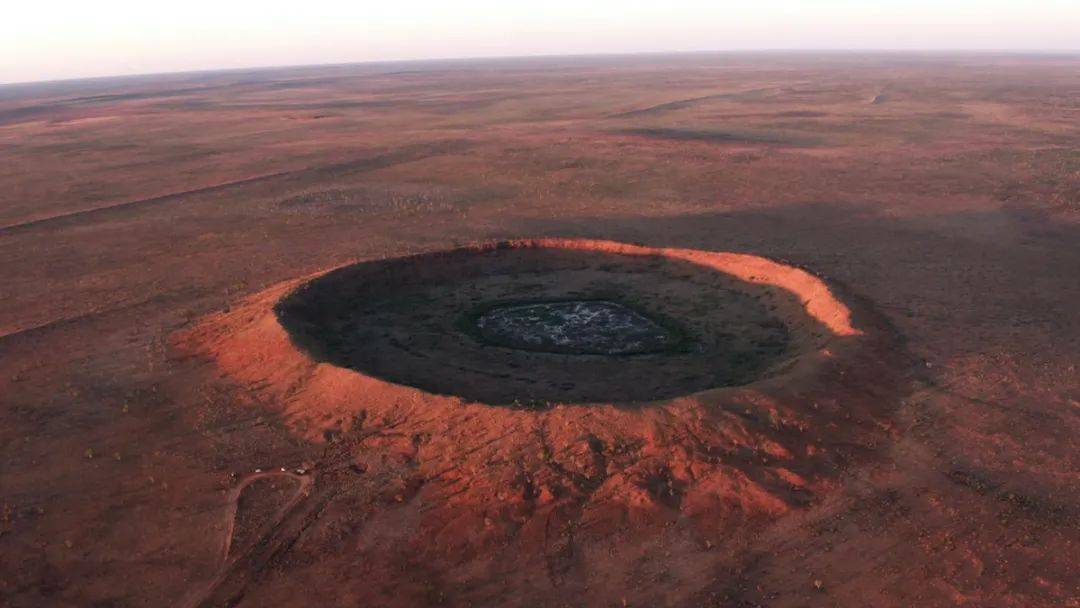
367	200
724	135
950	205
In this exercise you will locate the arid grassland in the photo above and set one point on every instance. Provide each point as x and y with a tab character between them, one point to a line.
172	433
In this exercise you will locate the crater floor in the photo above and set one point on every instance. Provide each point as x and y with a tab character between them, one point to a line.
577	327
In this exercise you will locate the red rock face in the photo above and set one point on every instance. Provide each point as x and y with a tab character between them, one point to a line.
514	504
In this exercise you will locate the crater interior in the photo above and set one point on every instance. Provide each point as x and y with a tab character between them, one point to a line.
538	325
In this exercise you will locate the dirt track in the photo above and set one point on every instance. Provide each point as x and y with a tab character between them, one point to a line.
944	210
230	557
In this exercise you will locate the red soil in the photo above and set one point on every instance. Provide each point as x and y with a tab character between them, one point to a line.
938	195
519	507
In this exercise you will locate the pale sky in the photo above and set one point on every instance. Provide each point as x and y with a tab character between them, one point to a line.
45	40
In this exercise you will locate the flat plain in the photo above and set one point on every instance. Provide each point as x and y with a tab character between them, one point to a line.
157	448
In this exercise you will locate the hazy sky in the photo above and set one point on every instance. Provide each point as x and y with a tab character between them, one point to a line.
41	39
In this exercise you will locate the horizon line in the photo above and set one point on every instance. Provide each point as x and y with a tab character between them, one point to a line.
469	58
